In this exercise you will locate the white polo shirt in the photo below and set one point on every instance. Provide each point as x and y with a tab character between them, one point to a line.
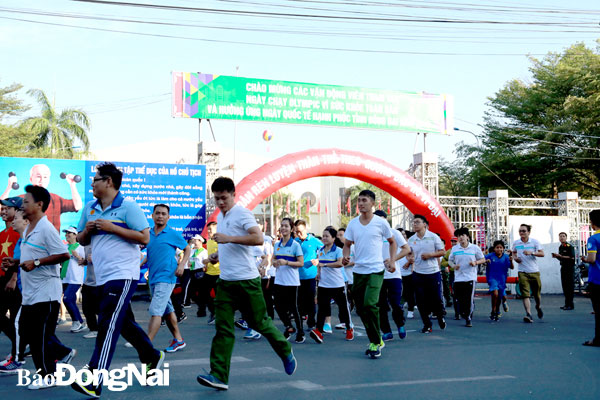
237	261
429	243
528	263
42	283
368	240
385	253
115	258
462	256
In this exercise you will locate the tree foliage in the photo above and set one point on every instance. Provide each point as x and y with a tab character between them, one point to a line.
540	137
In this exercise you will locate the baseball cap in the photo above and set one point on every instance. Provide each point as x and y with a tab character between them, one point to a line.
71	229
454	238
15	202
197	237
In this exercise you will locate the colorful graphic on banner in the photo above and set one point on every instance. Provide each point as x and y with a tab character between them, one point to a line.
180	186
207	96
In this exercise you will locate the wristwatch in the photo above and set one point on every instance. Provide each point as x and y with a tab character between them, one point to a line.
37	262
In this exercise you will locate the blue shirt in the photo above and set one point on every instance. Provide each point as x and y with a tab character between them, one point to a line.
17	256
592	247
498	268
115	258
310	247
290	251
161	255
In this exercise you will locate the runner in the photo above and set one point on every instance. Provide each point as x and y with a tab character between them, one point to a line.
496	272
287	258
427	281
593	245
367	233
525	252
331	285
391	291
238	286
464	258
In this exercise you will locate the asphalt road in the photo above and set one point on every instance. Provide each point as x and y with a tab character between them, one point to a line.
492	360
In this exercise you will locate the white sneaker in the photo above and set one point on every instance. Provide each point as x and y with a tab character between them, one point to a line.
91	335
69	357
78	326
128	345
42	385
410	315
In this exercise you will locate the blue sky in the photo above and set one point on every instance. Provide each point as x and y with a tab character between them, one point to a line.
123	80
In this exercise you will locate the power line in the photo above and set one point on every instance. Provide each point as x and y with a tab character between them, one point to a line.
546	154
563	145
352	50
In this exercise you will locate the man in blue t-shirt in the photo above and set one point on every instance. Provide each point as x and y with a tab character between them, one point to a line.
308	273
163	271
593	245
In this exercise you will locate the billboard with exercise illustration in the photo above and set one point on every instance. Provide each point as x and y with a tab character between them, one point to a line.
209	96
180	186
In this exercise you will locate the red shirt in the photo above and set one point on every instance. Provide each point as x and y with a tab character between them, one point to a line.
8	241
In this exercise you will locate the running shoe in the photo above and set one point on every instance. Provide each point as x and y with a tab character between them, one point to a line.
374	350
289	331
78	327
68	358
410	315
349	334
442	322
327	328
128	345
211	319
540	313
6	360
492	315
91	335
402	332
290	364
387	336
528	319
240	323
41	384
497	317
426	329
157	364
340	326
300	338
88	390
175	346
187	306
469	324
210	381
456	317
11	367
181	318
505	306
251	334
316	335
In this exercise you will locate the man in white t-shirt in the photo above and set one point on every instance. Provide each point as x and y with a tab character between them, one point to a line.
391	290
427	279
525	252
238	286
367	233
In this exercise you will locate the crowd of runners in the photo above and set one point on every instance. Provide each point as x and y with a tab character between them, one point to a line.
239	276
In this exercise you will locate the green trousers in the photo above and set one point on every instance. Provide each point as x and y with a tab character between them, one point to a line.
365	292
247	297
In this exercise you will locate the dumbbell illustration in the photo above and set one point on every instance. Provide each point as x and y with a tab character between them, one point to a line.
76	178
15	185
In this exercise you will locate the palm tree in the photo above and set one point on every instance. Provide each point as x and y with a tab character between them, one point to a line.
59	132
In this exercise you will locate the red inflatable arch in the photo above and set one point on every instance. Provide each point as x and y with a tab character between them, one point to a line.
294	167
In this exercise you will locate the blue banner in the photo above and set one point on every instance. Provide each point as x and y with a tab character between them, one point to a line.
181	186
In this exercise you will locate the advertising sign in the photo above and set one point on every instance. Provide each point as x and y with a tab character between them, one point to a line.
207	96
180	186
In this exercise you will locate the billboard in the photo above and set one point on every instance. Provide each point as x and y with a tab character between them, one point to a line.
180	186
206	96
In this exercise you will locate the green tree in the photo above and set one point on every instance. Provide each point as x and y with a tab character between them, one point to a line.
543	137
60	132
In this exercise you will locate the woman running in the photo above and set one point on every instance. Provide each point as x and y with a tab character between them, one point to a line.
496	273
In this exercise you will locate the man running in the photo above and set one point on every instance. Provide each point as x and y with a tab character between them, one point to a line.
239	286
367	233
525	252
163	271
115	227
